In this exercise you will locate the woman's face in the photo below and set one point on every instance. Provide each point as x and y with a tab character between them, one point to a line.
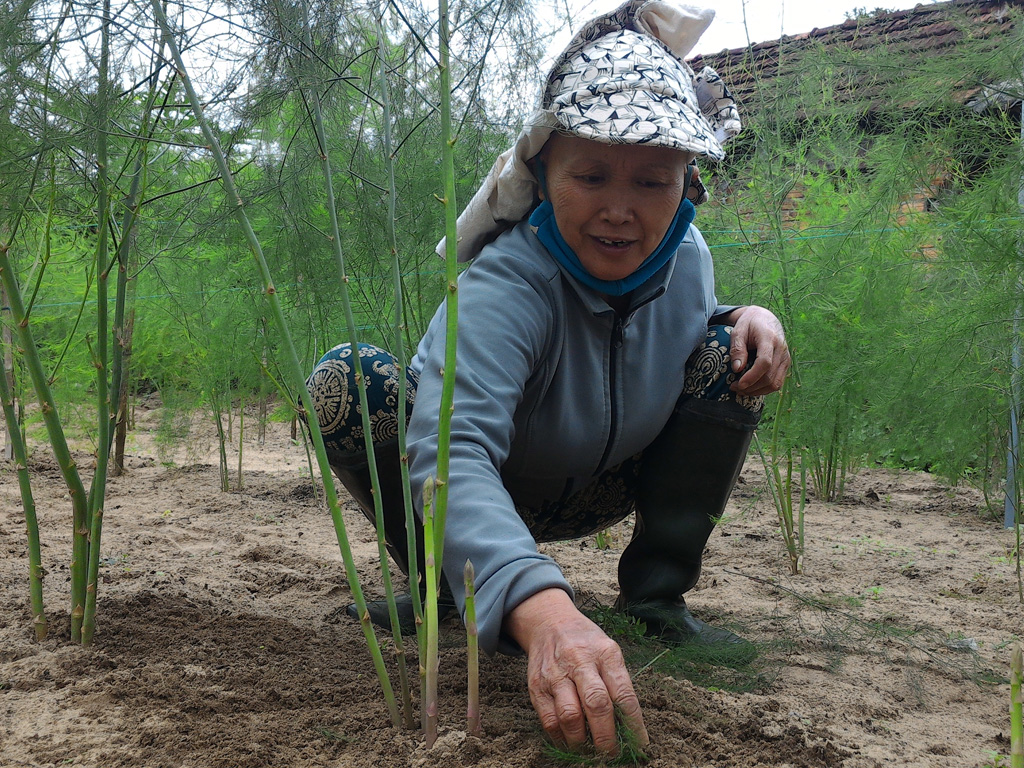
613	202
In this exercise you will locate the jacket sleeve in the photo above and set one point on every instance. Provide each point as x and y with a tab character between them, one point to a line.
721	310
504	331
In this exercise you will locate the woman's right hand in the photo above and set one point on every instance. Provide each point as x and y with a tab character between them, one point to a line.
577	676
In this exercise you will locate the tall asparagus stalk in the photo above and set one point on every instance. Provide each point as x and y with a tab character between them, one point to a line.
412	554
430	668
451	275
781	487
312	96
296	374
241	438
98	489
35	559
123	321
55	432
435	492
110	368
399	327
472	655
15	436
1016	709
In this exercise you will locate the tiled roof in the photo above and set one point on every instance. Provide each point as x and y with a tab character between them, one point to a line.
932	54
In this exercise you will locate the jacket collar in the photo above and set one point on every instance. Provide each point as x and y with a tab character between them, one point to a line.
649	291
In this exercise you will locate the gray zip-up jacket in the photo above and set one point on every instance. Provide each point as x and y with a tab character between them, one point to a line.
552	388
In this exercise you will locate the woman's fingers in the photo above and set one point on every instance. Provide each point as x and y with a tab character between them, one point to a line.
571	719
757	330
765	376
597	706
572	697
560	712
623	695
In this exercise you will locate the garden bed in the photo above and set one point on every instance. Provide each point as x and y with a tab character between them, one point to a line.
222	639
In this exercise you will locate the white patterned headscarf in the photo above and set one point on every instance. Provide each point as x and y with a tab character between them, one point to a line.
623	79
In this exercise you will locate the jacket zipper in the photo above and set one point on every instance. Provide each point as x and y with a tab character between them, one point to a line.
616	345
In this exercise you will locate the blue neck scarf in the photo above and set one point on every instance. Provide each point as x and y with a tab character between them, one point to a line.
543	219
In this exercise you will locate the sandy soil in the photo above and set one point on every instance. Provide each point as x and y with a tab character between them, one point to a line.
222	639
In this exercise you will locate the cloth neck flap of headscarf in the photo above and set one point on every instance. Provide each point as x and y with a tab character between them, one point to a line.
543	221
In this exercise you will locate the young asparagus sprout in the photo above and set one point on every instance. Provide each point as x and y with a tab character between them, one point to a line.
473	656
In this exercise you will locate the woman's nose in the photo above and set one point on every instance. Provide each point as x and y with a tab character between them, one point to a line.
618	209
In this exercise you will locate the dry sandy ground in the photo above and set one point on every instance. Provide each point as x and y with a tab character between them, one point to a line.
222	639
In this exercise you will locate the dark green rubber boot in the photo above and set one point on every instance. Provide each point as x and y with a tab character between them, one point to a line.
686	477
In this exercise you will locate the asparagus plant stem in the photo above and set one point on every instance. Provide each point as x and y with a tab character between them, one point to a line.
451	275
123	331
782	489
35	560
400	351
398	329
431	666
1016	709
98	488
297	377
241	439
800	518
472	656
15	435
222	465
54	429
313	97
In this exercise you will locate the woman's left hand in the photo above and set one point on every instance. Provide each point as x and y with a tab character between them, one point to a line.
756	330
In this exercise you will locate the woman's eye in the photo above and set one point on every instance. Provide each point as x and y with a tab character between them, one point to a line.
652	184
590	178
